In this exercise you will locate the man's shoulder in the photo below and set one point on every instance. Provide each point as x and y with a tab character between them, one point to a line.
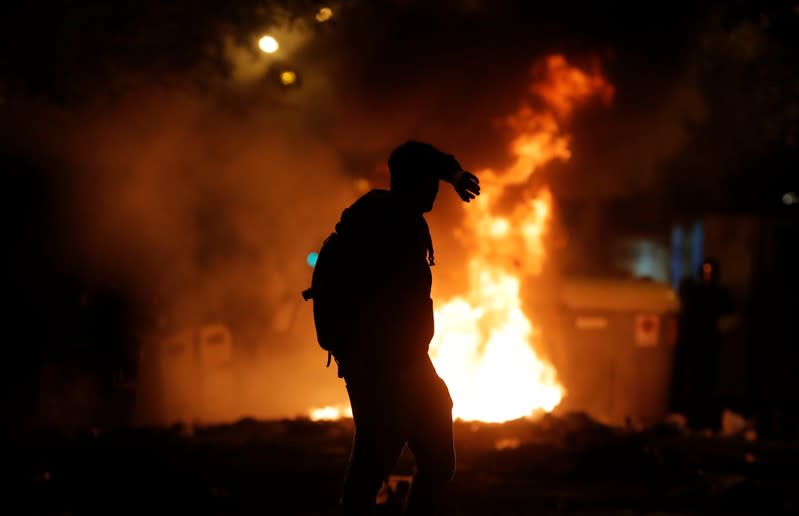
374	198
369	210
374	203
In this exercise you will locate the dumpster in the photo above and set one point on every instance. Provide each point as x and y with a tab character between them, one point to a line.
190	377
611	342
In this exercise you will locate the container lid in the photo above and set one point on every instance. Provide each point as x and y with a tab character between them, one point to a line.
623	295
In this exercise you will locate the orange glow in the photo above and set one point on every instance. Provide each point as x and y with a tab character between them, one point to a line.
362	185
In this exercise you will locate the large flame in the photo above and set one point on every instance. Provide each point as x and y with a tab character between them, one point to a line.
485	345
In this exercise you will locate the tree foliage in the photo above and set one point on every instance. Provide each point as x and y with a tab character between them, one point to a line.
65	50
744	154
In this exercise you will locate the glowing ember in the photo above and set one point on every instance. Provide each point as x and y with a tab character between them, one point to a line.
484	346
330	412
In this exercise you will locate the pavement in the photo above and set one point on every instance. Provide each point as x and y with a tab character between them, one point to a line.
553	465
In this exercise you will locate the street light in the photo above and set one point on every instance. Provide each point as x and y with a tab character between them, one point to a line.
324	14
288	77
268	44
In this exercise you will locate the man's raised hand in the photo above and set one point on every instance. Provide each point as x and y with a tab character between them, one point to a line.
466	184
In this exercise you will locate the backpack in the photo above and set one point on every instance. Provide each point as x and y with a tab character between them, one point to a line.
329	292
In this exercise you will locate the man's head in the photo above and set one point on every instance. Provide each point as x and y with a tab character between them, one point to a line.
415	169
709	272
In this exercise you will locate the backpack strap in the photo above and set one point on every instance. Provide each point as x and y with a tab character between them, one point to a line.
431	260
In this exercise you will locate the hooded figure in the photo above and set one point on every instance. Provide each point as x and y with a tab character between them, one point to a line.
704	303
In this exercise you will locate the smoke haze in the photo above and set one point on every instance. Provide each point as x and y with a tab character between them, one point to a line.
201	199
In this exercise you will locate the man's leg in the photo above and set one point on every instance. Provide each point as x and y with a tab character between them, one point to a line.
377	445
431	442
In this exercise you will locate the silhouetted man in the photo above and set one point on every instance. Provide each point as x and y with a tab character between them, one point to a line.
396	395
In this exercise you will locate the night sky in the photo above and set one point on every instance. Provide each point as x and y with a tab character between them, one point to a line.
713	83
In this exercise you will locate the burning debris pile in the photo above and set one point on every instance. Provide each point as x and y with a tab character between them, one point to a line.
553	465
485	346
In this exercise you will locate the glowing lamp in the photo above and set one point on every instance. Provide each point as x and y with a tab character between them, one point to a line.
288	77
324	14
268	44
311	259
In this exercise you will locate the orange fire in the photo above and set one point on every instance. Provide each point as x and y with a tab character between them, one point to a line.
485	345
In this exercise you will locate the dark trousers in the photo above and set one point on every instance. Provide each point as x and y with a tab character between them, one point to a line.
694	389
412	407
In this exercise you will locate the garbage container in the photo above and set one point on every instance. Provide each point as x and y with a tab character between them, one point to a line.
611	342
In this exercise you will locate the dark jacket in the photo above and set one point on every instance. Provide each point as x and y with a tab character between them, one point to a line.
390	283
